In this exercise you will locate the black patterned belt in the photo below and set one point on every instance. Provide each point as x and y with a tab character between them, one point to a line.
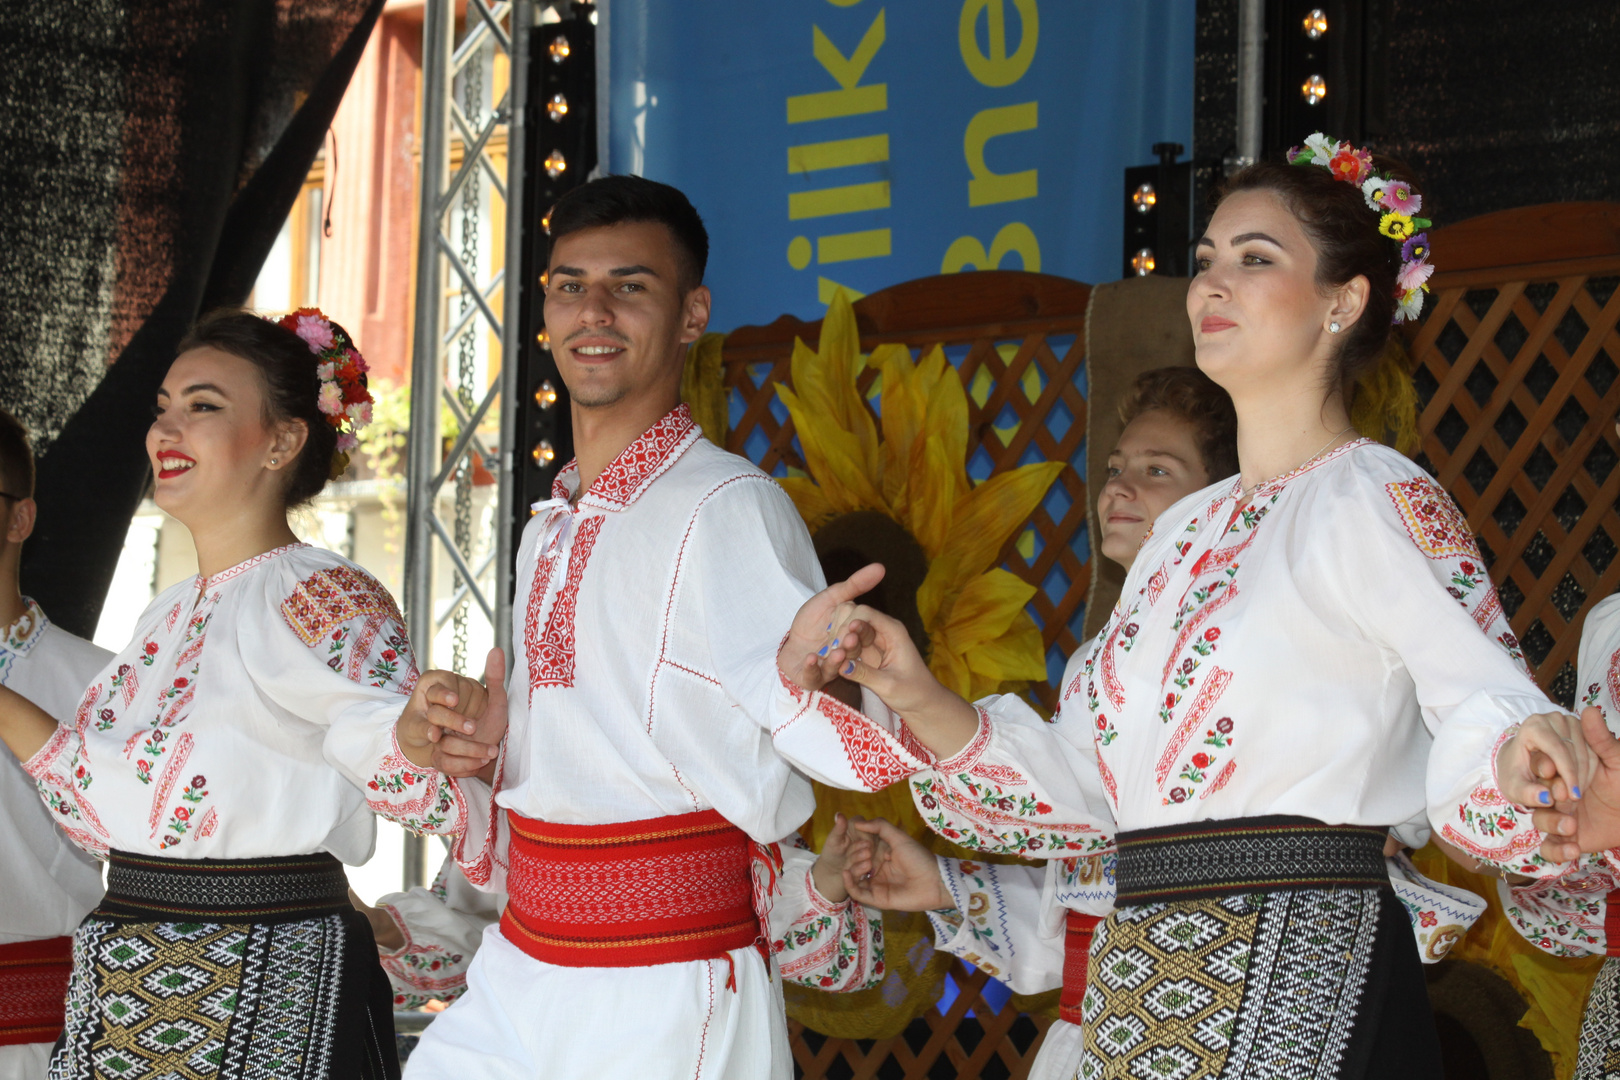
1256	854
279	889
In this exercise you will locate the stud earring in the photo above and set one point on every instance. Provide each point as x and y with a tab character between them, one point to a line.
1333	328
273	461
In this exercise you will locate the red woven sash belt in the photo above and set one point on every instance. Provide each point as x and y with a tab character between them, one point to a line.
638	893
1076	954
33	990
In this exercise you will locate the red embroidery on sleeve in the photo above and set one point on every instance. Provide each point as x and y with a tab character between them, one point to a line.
332	597
1432	519
1208	694
871	757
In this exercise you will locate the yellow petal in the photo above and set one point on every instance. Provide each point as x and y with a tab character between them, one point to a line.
949	669
838	363
1016	656
985	609
984	519
810	499
703	386
832	455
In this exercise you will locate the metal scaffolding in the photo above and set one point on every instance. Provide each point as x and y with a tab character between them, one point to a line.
447	325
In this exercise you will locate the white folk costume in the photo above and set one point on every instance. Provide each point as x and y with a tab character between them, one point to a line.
48	884
1576	912
654	755
1278	686
224	762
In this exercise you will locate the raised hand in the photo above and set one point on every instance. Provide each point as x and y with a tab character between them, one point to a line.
828	871
1591	823
882	656
445	703
889	869
804	656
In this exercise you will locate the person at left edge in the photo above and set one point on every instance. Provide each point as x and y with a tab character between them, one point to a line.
48	884
236	749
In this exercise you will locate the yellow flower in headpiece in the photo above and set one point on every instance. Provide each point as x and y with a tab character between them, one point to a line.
1396	225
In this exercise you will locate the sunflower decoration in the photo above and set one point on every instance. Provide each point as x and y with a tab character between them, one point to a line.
893	488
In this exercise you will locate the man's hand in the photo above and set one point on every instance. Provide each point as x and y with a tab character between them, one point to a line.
384	929
828	871
888	869
810	656
453	723
1593	822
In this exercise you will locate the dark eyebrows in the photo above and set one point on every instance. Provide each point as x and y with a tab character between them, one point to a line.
567	271
617	271
194	388
1243	238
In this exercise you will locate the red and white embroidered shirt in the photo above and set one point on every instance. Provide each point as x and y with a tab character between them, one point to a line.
252	715
1568	913
645	628
1332	650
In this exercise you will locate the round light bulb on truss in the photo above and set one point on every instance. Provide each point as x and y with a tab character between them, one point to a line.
545	395
559	49
1144	198
1316	23
543	340
557	107
1313	90
555	165
543	454
1143	262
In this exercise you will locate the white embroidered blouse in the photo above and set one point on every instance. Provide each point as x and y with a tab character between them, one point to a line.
1332	650
251	715
48	884
1567	912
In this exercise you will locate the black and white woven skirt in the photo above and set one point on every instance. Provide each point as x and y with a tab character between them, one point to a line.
226	969
1256	947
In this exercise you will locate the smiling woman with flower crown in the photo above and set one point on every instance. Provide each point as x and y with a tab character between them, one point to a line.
1303	657
233	753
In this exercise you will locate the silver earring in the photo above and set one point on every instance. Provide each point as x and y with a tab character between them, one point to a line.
273	461
1333	328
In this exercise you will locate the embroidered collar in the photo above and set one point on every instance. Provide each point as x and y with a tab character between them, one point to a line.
24	634
204	584
1276	484
637	466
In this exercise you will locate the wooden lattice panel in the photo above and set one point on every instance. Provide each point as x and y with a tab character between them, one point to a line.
1018	341
1518	367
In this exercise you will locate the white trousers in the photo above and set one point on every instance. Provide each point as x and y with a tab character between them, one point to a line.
522	1019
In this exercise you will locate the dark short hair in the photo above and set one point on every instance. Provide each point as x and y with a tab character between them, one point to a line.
16	458
1344	232
613	200
1194	398
292	386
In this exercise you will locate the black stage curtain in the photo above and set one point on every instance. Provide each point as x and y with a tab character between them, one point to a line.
154	148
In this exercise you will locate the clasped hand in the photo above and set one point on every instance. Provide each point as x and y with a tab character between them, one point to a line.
455	724
1568	772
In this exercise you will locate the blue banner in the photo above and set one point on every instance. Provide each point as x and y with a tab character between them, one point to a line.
864	143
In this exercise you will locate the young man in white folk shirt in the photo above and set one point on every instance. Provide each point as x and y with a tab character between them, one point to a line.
655	744
47	884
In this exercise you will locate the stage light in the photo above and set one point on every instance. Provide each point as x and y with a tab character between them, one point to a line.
559	49
1316	23
557	107
1144	198
555	164
543	454
545	222
1313	90
543	340
1142	262
545	395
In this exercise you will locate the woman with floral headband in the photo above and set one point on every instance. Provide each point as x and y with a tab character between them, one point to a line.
1302	657
233	753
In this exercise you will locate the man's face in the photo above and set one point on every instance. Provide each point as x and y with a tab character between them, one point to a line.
617	315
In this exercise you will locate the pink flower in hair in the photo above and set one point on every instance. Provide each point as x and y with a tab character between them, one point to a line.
346	442
360	414
1350	164
357	360
1400	198
331	399
1413	275
316	332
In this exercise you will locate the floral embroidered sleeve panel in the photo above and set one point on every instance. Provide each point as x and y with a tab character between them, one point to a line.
1570	914
1002	923
749	567
1410	573
817	943
340	659
442	926
1023	786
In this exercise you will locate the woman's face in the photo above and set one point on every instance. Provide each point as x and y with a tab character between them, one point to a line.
1258	318
209	445
1155	463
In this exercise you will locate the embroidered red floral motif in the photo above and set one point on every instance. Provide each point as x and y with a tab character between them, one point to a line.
332	599
1432	519
643	460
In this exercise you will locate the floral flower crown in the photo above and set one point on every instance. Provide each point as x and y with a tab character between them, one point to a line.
343	398
1395	202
